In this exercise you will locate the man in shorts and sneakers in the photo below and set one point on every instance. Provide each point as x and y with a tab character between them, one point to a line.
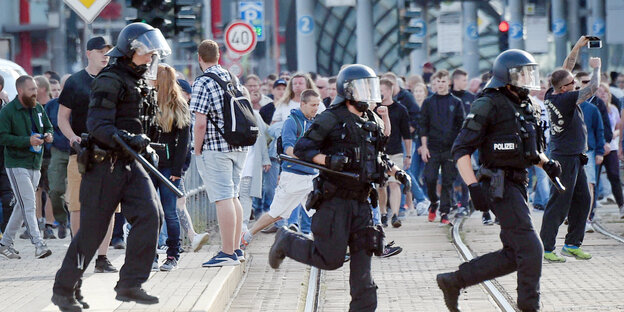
295	182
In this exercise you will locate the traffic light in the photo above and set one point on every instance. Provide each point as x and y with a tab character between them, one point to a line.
503	36
184	16
412	30
158	13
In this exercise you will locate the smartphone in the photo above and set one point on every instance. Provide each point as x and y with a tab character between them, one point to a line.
594	42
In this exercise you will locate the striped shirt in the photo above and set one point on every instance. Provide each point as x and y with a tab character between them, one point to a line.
207	99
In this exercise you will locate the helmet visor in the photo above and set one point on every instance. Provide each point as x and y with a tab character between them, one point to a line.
151	41
525	77
364	90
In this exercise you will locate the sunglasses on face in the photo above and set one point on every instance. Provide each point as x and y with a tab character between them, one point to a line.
585	81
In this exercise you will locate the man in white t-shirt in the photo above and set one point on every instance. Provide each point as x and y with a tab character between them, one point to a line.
296	85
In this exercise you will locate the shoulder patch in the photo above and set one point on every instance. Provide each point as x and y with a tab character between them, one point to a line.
479	111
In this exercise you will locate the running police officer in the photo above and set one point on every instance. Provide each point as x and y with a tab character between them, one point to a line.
115	108
505	126
347	137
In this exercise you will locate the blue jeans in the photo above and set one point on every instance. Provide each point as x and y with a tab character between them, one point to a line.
269	184
301	218
542	188
376	215
168	200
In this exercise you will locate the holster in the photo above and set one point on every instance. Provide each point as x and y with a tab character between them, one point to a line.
376	239
315	197
584	159
370	239
496	178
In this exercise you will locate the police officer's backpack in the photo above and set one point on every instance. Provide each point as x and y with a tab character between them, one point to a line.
240	127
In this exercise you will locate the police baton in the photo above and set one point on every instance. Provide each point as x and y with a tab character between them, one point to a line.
319	167
148	166
557	184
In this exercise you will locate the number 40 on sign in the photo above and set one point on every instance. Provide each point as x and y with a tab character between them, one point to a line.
240	37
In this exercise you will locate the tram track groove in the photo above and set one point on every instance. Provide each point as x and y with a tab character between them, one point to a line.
498	294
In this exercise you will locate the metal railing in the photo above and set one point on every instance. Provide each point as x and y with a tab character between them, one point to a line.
202	212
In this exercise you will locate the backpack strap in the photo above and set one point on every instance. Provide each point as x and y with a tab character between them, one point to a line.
224	87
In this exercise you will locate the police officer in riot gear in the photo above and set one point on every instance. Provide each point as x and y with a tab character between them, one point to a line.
115	108
346	137
505	126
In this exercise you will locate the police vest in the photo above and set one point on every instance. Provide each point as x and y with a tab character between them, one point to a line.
514	139
360	140
130	109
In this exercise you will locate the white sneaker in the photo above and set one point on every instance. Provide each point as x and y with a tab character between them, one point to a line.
162	250
421	208
607	200
589	228
42	251
199	241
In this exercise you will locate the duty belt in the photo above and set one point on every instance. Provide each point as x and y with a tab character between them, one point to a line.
330	189
519	176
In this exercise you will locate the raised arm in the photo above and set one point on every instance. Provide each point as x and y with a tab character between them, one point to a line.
590	89
570	61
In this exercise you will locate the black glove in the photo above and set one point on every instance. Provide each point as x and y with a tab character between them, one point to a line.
405	179
137	141
552	168
478	197
336	162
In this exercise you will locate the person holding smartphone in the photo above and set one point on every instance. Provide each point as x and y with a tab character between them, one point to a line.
24	127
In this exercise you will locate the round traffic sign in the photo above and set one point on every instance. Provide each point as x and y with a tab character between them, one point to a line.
240	37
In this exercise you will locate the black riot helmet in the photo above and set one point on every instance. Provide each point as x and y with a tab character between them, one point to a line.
359	84
516	68
141	38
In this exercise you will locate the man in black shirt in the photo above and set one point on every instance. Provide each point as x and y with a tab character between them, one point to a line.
399	125
459	84
72	120
441	118
568	143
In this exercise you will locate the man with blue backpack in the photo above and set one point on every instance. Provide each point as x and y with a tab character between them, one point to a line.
295	180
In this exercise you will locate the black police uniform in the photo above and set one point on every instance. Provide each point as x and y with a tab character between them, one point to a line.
343	216
115	105
506	131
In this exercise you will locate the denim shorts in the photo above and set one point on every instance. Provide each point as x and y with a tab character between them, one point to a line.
221	173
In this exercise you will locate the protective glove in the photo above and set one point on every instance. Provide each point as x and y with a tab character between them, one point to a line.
552	168
478	197
405	179
336	162
138	142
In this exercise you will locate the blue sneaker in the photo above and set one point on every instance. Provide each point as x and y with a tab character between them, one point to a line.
240	254
222	259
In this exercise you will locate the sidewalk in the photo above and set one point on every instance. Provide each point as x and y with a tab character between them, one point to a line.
576	285
27	283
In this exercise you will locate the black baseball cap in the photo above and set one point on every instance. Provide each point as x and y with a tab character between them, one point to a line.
97	43
279	82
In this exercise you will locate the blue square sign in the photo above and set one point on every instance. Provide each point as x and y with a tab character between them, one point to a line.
252	12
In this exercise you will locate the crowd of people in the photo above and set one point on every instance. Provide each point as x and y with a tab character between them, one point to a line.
41	132
424	114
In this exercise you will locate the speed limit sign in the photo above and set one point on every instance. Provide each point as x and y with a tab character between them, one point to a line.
240	37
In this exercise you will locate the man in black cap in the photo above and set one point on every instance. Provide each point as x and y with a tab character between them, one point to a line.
267	111
72	120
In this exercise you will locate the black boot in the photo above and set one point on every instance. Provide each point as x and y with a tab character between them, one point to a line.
80	298
136	294
66	303
450	286
276	254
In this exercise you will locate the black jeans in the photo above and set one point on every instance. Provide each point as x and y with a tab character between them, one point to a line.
444	160
611	164
573	203
332	225
522	249
100	193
